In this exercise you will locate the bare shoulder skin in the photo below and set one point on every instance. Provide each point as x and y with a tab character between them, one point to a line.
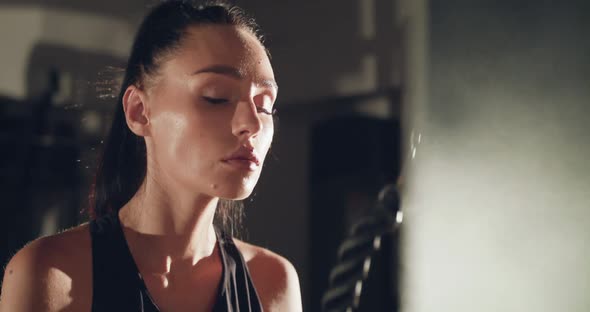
274	277
51	273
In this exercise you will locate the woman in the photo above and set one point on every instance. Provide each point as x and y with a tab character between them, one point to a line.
193	126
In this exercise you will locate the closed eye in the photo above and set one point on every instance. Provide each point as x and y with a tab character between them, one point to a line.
264	100
215	100
259	109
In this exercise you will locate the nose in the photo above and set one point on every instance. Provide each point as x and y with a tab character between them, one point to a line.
246	121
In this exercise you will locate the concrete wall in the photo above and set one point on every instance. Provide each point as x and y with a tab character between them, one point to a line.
497	208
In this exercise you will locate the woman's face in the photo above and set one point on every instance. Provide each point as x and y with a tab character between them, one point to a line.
209	108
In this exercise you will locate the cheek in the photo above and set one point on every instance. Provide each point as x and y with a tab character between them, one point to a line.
168	127
171	134
266	137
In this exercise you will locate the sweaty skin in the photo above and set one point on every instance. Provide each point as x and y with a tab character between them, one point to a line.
210	98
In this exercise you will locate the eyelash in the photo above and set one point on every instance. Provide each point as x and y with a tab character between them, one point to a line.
215	100
223	101
263	110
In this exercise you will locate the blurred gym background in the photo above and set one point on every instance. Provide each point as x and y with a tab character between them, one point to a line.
480	106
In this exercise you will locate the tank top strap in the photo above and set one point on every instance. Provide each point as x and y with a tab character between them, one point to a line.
238	293
115	283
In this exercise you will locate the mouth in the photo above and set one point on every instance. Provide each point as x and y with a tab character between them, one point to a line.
242	163
243	159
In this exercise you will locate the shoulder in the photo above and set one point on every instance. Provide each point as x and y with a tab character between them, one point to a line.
39	277
275	278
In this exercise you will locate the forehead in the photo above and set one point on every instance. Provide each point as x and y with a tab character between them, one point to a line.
208	45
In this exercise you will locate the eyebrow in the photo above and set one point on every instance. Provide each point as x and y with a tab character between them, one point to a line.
235	73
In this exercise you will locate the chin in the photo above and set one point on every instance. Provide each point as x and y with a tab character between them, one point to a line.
234	186
238	193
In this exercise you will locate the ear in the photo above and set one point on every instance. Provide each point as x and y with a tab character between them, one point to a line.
136	111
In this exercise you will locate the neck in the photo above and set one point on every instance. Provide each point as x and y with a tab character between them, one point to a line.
163	227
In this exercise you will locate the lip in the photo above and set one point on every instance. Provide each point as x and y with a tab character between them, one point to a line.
243	158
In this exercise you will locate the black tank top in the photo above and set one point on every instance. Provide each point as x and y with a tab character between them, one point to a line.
117	284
